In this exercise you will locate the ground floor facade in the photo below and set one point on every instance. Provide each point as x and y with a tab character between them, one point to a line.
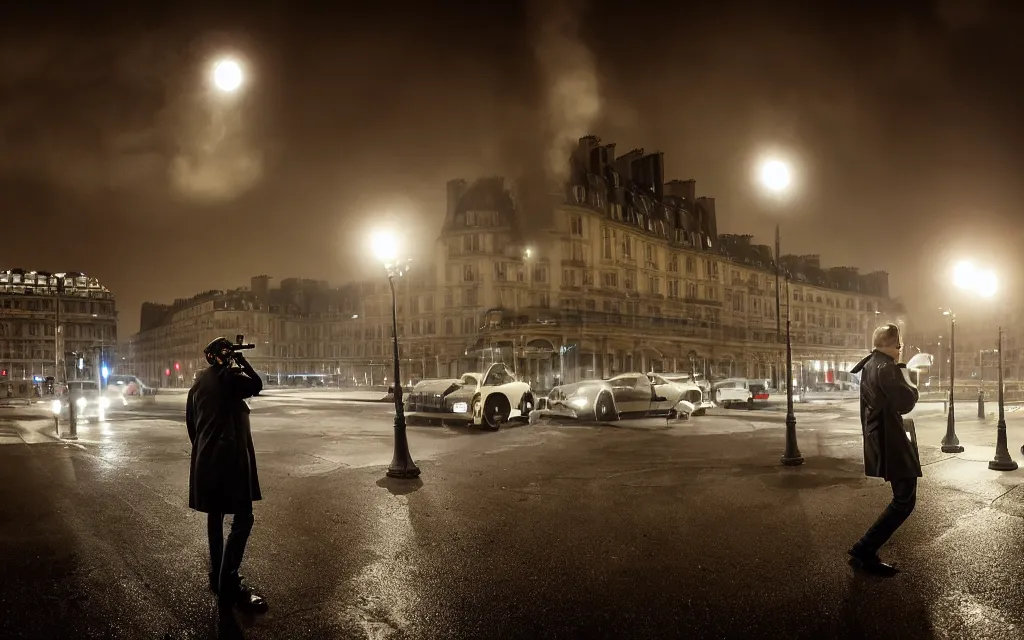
546	358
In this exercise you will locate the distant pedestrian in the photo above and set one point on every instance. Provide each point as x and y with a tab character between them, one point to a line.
886	395
222	478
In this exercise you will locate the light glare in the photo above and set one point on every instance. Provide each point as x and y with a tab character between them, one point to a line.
775	175
964	275
385	246
987	284
227	76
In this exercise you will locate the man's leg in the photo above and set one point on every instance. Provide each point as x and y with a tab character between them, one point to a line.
234	550
215	534
904	497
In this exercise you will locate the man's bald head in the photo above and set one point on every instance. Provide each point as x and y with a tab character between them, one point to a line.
887	339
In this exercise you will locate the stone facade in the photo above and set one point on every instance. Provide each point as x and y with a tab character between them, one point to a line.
37	342
614	271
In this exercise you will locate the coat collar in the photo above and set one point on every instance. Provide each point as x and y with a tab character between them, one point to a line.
860	365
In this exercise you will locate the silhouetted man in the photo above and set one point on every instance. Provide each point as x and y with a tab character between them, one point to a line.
222	478
886	395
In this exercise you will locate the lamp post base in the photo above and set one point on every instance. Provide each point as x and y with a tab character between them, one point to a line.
402	465
952	448
1002	460
1002	465
405	471
792	457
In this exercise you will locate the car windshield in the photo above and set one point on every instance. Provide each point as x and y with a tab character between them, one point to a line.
628	382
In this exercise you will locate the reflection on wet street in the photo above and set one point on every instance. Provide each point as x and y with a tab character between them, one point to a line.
639	530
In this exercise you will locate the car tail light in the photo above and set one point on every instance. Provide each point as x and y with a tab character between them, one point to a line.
761	396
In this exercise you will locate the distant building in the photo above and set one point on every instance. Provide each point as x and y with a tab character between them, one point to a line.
614	271
298	329
37	341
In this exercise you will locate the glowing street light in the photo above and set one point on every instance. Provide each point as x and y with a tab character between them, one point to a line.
776	178
775	175
968	277
385	247
228	75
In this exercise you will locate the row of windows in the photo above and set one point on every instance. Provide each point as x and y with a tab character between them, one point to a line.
104	332
37	303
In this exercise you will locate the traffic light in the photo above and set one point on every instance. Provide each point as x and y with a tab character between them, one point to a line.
3	373
177	367
167	372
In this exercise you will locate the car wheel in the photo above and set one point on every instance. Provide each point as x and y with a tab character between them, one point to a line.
496	411
604	408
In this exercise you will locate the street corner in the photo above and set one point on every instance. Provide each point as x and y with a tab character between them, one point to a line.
28	429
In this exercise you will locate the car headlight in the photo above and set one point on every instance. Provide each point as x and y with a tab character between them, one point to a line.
80	403
460	407
579	402
104	402
57	406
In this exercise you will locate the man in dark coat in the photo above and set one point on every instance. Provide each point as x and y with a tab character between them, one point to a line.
887	393
222	478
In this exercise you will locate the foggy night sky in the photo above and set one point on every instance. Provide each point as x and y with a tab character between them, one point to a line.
904	121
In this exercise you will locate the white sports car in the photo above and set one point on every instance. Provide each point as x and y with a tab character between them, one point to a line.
483	399
629	395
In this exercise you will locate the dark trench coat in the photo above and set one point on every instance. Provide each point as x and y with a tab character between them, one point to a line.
885	397
223	477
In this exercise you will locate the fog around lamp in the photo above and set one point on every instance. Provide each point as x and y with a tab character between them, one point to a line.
987	284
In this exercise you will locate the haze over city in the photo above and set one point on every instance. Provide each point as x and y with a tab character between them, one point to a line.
500	320
899	120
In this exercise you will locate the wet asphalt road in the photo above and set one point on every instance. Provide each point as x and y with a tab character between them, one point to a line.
642	530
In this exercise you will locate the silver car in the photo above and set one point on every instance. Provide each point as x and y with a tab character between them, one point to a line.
629	395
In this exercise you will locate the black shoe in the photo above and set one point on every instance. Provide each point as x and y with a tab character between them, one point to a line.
243	596
871	563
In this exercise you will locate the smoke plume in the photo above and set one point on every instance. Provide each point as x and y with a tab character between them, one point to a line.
568	70
215	160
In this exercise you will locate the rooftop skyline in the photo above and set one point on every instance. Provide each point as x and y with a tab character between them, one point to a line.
121	163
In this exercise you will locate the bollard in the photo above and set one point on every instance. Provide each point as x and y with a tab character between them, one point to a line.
981	405
72	420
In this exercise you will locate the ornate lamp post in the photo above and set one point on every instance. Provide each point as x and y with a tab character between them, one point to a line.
385	246
950	443
792	456
1002	461
775	176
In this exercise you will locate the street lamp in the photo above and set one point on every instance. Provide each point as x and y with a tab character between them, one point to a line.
227	75
950	443
775	176
984	283
385	247
1002	460
791	457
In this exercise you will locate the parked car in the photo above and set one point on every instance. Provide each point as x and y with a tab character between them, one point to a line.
733	391
486	399
628	395
687	382
90	404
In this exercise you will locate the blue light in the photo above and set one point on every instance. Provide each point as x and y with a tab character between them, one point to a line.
104	371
